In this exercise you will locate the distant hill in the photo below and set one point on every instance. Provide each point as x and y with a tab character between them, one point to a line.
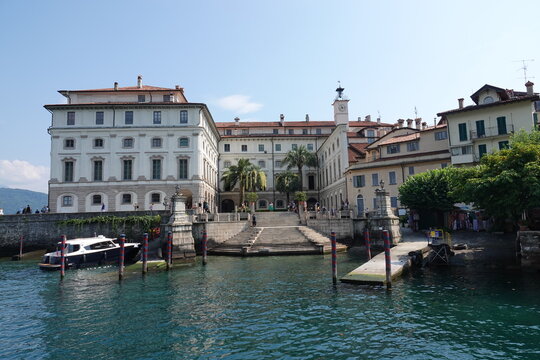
12	200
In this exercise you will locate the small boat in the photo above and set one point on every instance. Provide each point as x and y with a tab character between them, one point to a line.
93	251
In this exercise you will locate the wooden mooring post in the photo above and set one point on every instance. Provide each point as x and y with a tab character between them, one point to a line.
204	247
387	259
121	257
334	257
169	250
145	254
63	257
368	245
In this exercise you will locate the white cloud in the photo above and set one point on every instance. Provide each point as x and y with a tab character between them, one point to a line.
23	175
239	104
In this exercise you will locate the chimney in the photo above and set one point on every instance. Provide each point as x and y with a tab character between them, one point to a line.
237	121
307	117
379	120
115	86
177	87
139	82
460	102
409	123
368	118
281	118
417	122
424	125
400	123
529	86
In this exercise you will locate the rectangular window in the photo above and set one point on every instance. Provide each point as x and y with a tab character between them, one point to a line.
100	116
392	149
98	143
503	145
291	131
183	169
227	147
413	146
278	163
318	131
69	144
226	163
310	147
441	135
157	117
482	150
304	132
71	118
501	125
294	146
393	201
443	165
411	170
480	128
126	198
98	170
183	142
127	169
127	143
155	198
278	147
128	117
156	142
262	164
311	182
96	199
462	132
244	148
245	131
261	147
156	169
275	131
141	98
392	178
228	132
183	117
68	171
67	200
359	181
375	179
167	98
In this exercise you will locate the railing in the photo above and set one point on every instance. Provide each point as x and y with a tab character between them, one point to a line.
328	214
221	217
492	131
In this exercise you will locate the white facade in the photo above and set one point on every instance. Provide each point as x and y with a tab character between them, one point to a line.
128	148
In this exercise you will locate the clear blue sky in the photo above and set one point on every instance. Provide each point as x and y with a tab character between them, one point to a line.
254	59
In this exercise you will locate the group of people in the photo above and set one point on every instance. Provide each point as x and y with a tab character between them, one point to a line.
28	210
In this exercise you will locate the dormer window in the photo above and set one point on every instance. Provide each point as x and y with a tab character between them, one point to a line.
167	98
141	98
488	100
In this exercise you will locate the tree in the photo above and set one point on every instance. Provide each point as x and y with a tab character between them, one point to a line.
299	158
287	182
248	177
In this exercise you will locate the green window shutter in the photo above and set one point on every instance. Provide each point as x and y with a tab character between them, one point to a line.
482	150
535	119
503	145
501	125
463	132
480	128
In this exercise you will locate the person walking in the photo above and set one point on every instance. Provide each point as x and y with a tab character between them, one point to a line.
254	220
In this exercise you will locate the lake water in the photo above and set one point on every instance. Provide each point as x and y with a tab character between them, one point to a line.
267	308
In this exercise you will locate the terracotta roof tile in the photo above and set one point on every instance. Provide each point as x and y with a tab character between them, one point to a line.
275	124
368	124
126	88
400	139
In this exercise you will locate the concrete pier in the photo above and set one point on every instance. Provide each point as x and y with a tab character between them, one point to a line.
373	272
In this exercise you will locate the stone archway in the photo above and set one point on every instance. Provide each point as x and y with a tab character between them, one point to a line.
311	203
227	205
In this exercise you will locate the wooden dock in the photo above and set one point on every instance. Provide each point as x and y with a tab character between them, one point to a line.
373	272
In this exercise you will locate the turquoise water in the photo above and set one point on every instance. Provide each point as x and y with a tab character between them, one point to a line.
267	308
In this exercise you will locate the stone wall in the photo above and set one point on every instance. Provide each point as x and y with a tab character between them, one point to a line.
529	245
217	232
42	231
343	228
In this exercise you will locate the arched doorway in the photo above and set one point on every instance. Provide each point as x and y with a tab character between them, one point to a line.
227	205
360	205
311	203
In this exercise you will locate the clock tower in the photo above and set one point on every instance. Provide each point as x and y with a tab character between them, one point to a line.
341	107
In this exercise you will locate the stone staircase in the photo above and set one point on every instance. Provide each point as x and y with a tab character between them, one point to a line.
277	233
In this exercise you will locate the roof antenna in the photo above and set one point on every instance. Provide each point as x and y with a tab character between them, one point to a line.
415	113
524	68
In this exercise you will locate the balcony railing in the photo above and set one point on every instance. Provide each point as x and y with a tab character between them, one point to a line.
492	131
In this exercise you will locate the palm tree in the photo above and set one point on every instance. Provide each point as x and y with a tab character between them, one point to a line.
299	158
287	182
248	177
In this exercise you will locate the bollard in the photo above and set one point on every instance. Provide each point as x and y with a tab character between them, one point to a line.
204	247
387	259
169	250
63	257
121	257
145	254
334	257
368	245
21	248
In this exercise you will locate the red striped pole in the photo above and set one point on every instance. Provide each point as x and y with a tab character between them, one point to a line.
334	257
121	257
368	245
145	254
387	259
63	257
169	250
204	247
21	248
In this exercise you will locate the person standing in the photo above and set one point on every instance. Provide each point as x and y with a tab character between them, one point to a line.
254	220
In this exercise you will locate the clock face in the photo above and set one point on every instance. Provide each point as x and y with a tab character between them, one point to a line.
341	107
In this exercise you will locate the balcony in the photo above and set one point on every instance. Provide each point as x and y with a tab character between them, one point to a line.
491	132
